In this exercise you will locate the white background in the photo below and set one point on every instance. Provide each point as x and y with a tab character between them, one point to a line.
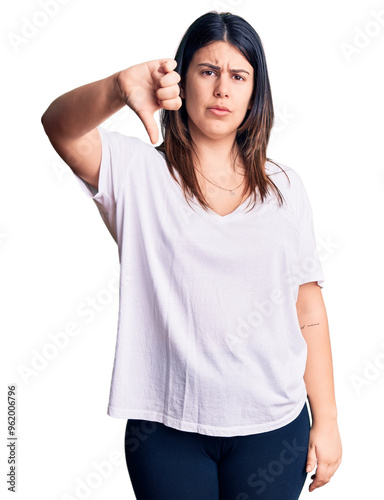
325	63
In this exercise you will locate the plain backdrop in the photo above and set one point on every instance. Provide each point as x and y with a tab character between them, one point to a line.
325	63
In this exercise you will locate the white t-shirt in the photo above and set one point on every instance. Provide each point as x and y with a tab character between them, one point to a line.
208	337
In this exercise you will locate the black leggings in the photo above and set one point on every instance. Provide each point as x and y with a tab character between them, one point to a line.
169	464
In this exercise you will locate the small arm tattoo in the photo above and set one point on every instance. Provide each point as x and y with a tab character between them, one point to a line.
312	324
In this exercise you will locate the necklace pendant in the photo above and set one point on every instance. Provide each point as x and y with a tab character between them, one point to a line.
232	193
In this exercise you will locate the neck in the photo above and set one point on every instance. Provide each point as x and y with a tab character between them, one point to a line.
215	155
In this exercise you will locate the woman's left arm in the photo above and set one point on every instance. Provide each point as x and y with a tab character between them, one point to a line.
324	439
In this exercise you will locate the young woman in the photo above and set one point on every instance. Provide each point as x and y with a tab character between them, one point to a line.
223	331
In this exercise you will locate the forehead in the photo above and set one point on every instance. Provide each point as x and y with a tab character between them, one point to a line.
220	53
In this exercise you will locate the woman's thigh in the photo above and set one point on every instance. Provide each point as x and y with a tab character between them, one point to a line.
266	466
165	463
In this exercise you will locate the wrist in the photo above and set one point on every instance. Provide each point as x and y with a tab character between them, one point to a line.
122	86
115	95
325	417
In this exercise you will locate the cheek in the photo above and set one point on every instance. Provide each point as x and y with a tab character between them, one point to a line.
195	94
194	103
245	103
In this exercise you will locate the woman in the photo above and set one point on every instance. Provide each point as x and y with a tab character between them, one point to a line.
222	331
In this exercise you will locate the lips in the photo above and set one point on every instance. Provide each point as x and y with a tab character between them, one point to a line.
222	108
219	111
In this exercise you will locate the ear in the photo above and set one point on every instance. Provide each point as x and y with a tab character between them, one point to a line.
182	93
250	104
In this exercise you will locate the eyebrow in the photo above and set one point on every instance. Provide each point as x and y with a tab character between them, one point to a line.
218	67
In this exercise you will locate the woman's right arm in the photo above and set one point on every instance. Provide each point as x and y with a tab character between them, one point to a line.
70	123
71	120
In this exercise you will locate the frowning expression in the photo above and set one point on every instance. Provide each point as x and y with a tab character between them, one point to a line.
218	76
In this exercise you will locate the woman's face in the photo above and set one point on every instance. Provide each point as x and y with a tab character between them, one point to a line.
230	85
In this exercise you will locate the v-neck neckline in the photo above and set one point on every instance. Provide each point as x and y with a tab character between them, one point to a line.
209	212
222	218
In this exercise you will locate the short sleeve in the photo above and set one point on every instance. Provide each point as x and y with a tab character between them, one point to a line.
309	264
119	154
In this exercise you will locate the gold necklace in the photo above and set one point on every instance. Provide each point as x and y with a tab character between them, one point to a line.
232	191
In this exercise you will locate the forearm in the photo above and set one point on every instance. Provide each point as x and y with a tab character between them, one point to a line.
318	375
78	111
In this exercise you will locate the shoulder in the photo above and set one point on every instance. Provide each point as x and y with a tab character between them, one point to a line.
283	175
117	140
289	182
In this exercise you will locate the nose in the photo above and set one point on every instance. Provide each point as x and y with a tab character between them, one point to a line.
221	88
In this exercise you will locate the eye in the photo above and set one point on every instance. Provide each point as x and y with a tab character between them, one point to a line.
238	77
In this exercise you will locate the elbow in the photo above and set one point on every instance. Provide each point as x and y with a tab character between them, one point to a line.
47	124
44	122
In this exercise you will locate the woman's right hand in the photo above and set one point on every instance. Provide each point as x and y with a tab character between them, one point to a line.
148	87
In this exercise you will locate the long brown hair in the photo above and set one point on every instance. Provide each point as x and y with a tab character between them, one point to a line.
253	133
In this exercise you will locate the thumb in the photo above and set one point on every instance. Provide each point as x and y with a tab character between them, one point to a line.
150	125
311	459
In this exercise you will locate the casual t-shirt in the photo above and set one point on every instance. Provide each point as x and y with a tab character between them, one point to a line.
208	337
